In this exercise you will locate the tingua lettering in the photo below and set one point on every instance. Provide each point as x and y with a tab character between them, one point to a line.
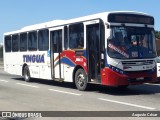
33	58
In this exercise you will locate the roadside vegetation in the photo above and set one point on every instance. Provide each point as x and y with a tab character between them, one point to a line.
157	33
1	52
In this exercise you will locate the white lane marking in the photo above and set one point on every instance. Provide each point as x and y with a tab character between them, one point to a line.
3	81
129	104
27	85
64	92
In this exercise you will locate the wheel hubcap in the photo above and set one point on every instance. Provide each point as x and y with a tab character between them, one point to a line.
81	80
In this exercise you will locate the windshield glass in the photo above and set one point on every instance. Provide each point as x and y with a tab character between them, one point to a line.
131	42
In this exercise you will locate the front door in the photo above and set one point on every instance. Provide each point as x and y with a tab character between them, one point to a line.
93	51
56	49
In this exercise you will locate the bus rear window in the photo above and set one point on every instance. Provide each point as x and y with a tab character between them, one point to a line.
15	43
7	43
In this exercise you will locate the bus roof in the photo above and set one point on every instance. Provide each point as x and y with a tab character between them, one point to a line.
63	22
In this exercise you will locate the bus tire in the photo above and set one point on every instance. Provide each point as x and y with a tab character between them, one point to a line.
26	74
81	80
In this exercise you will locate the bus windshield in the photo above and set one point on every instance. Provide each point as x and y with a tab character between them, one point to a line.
131	43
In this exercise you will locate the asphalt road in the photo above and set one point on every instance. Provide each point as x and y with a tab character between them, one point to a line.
45	95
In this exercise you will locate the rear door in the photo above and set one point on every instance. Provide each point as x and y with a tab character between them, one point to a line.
56	49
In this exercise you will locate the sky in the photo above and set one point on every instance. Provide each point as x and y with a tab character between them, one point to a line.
16	14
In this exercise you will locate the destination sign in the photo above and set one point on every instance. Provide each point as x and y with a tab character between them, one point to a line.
130	18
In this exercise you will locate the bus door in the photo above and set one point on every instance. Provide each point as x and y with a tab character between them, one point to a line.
94	46
56	49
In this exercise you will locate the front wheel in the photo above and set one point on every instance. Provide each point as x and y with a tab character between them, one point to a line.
26	74
81	80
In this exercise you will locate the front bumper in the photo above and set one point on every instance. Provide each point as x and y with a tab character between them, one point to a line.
113	78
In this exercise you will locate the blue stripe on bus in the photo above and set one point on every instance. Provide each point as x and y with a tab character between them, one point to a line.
67	61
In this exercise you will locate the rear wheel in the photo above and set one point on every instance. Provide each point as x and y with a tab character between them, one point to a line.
26	74
81	80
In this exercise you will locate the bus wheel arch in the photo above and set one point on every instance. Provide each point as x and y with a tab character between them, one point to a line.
26	73
80	78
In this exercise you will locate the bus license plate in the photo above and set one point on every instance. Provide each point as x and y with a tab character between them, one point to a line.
140	78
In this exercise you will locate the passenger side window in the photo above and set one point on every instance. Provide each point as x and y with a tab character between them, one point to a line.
23	42
15	43
43	40
76	36
32	41
7	43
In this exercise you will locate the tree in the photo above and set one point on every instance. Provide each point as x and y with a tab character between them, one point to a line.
157	33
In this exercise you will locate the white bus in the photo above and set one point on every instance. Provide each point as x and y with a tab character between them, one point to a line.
110	48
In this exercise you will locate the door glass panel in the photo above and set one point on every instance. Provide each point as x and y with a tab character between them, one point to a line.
57	41
93	43
56	48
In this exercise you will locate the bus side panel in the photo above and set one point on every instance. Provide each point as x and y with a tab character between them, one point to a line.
45	72
20	63
11	63
68	73
40	67
34	71
6	64
14	63
45	68
69	61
